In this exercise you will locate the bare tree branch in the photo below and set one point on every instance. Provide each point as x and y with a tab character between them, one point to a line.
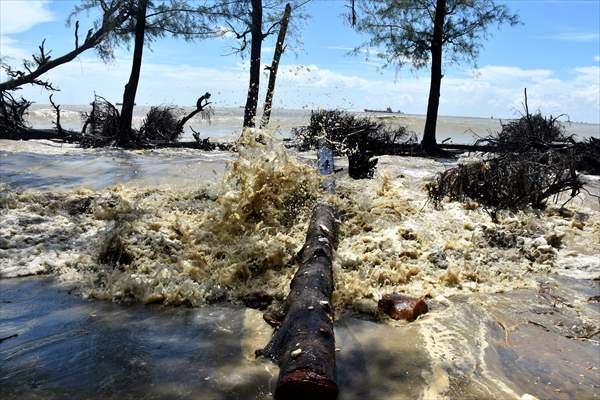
43	62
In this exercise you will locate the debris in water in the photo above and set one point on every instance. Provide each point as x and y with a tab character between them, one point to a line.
399	306
9	337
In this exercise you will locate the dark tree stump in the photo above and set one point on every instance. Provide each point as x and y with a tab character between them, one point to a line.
304	345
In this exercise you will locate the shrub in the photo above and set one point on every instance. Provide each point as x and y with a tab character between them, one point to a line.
12	114
587	156
535	159
507	182
160	125
344	130
101	124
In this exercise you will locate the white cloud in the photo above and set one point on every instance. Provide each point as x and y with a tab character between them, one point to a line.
495	72
573	37
20	15
340	48
10	50
597	58
224	32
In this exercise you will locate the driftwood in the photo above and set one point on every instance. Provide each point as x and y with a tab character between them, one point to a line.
203	144
42	134
304	344
68	136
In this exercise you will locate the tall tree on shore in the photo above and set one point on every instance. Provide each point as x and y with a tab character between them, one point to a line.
248	18
134	78
424	32
255	49
279	49
149	20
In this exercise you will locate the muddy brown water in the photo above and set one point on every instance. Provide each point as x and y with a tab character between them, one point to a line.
510	344
542	341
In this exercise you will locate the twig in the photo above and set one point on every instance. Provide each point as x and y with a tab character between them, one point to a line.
540	325
57	111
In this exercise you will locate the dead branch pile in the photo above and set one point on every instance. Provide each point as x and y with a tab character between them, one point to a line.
508	181
530	132
534	161
160	125
588	156
343	130
12	114
359	138
540	133
101	124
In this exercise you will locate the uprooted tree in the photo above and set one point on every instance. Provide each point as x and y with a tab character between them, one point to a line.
534	160
12	113
419	32
162	126
359	138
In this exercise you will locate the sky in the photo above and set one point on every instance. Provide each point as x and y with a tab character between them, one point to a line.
554	53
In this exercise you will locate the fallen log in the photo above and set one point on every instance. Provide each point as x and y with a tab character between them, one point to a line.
204	144
41	134
304	344
68	136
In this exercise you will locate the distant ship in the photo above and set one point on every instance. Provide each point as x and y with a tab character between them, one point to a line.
386	111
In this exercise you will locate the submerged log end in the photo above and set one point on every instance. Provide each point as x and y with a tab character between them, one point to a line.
305	384
399	306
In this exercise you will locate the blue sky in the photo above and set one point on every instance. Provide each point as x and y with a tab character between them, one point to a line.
555	53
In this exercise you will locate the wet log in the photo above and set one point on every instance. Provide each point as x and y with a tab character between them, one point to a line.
204	144
41	134
68	136
304	344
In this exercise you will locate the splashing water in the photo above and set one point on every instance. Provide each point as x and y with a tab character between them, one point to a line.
223	241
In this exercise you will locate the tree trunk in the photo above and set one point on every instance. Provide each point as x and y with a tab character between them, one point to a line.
134	77
253	86
304	345
429	140
279	49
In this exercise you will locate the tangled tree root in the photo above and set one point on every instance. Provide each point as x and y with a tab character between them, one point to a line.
535	160
358	138
508	181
